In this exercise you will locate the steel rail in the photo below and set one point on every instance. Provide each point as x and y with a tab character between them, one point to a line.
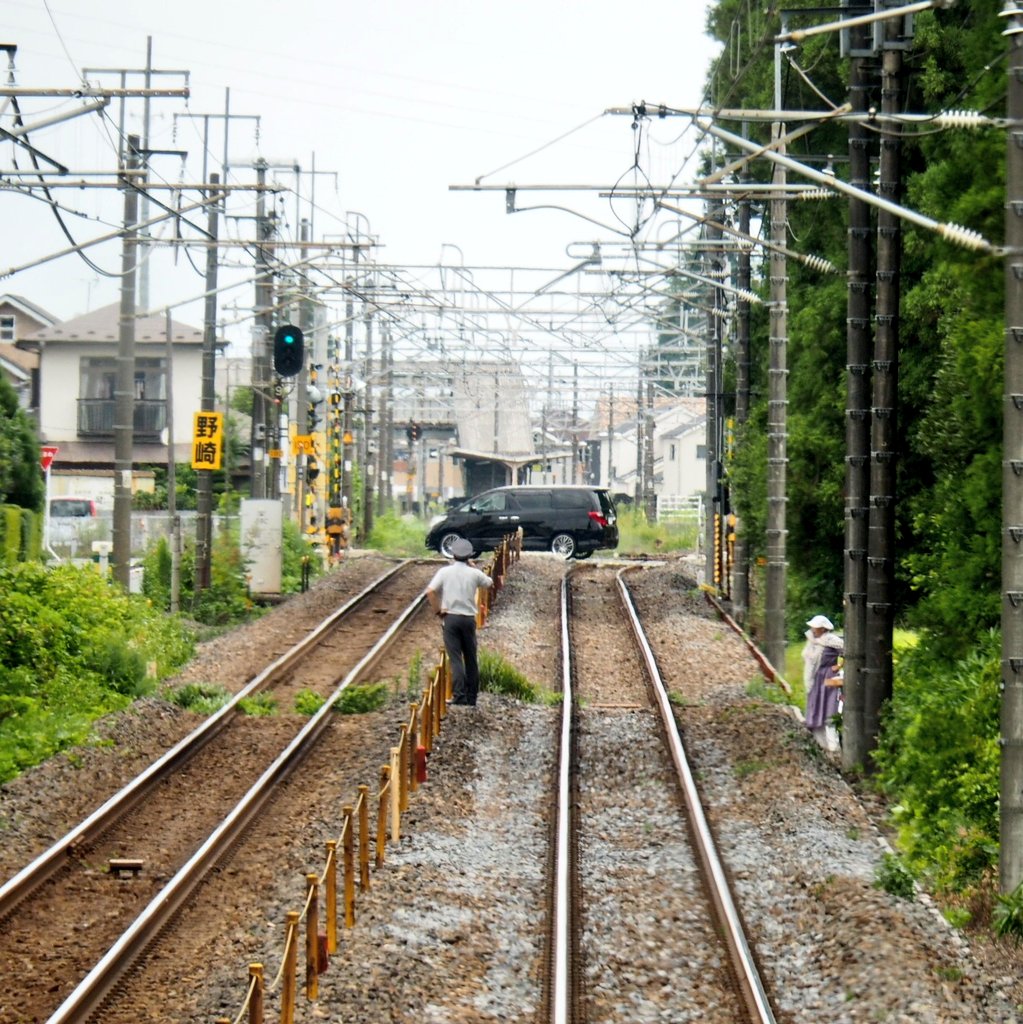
733	933
93	989
560	937
120	803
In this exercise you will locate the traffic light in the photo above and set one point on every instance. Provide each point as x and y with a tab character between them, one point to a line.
288	350
312	470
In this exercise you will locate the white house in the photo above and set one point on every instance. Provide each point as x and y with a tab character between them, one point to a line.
78	373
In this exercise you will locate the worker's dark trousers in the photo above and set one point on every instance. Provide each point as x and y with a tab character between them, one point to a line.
460	643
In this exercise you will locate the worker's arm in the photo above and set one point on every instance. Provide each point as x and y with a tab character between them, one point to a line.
433	596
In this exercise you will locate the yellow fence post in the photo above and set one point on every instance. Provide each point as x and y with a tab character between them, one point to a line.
349	846
395	787
385	791
330	887
413	746
364	838
289	985
256	1002
403	760
312	939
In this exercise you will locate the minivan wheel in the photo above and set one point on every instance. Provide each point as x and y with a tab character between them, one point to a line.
445	544
563	545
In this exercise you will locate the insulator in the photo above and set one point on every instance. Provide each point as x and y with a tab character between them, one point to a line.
961	119
816	193
965	237
818	263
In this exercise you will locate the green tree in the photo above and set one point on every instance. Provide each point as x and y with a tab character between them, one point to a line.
21	481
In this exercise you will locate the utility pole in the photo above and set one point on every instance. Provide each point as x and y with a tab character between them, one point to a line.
857	412
172	482
204	485
367	424
777	401
261	343
649	492
713	504
348	394
124	395
385	443
1011	789
740	570
879	619
575	423
610	435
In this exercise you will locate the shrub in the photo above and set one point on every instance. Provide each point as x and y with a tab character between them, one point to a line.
358	700
1008	914
938	760
202	698
497	676
894	877
258	705
307	702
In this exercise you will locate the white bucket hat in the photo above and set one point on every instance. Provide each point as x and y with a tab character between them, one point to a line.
820	622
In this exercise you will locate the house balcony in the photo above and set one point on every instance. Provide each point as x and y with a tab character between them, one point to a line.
96	418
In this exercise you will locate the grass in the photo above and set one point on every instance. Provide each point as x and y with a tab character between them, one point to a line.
638	537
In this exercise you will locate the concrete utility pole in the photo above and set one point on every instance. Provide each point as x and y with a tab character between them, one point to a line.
777	402
172	480
649	492
261	344
575	423
124	395
204	485
740	570
1011	791
880	617
713	509
347	399
857	412
367	425
385	443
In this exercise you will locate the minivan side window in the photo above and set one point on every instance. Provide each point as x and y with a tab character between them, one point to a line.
573	499
534	499
491	503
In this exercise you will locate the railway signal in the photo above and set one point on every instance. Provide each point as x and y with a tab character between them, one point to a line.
288	350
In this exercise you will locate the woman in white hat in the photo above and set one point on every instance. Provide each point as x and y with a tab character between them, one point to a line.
821	652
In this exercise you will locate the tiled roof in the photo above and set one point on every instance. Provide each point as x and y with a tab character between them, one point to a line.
104	325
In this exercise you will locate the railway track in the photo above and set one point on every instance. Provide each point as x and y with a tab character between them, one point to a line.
80	913
456	925
628	807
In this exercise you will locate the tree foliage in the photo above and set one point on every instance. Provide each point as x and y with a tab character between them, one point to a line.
21	481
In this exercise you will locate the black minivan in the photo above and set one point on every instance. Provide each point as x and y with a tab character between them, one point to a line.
573	522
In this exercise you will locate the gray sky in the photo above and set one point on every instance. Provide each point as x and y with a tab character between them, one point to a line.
401	98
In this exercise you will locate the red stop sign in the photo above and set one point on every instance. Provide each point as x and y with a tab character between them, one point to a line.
46	455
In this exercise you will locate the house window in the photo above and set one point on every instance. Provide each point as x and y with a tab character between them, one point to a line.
701	451
97	397
671	452
6	327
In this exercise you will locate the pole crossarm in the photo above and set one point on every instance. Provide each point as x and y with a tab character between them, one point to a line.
798	35
955	233
84	91
844	113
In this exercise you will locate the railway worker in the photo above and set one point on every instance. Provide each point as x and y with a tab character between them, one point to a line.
452	596
821	653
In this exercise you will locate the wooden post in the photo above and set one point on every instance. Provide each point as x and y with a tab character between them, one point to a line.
330	884
385	774
256	1001
289	983
348	838
403	762
364	838
395	788
413	742
312	939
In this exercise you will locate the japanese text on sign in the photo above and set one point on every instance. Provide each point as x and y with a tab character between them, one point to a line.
207	440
